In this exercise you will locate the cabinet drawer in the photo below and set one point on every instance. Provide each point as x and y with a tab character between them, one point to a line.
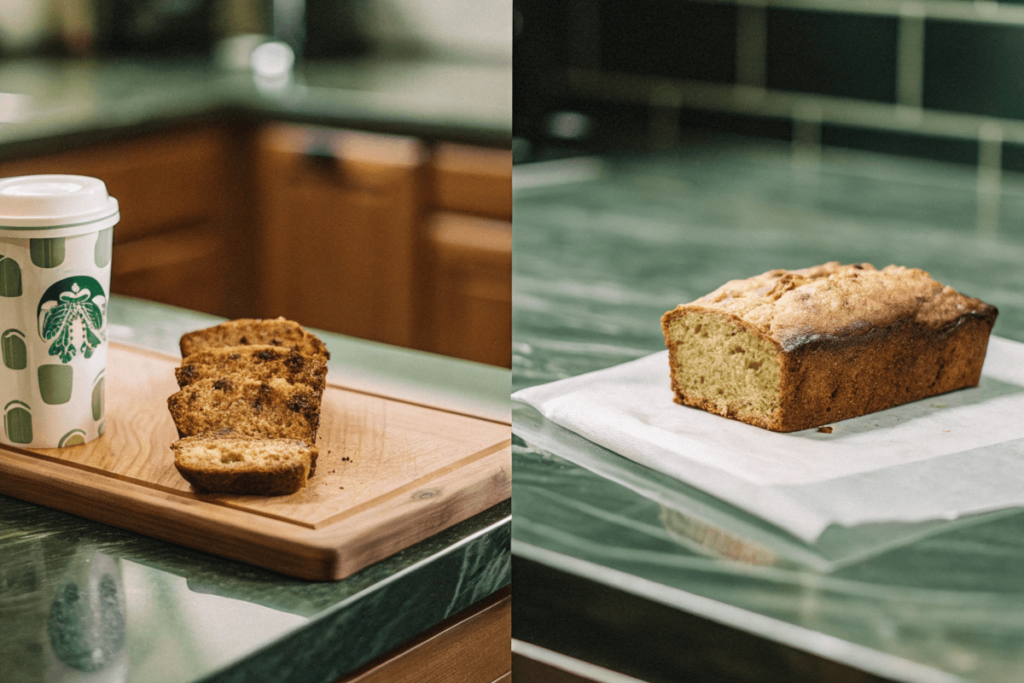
476	180
473	646
471	289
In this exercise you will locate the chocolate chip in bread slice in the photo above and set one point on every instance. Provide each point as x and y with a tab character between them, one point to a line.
271	408
253	362
244	465
250	332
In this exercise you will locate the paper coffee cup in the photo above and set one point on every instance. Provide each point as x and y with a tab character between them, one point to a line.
56	235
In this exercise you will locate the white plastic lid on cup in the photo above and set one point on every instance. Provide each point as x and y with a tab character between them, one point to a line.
55	206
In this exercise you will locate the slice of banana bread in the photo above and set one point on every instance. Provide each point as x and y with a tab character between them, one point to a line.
244	465
253	362
791	350
272	408
248	332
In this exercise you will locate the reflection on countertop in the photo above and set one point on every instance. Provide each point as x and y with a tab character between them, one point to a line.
603	248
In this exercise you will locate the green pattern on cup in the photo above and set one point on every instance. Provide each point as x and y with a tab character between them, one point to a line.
76	437
10	277
12	346
97	399
104	247
47	252
55	382
18	423
102	428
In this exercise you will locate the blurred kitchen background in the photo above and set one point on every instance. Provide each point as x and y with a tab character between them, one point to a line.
934	79
345	163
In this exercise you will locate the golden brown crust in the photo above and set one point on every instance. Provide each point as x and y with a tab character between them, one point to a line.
255	362
250	331
273	408
837	366
212	463
795	307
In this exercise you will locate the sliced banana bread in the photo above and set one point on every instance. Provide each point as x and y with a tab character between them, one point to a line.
245	465
253	362
271	408
249	332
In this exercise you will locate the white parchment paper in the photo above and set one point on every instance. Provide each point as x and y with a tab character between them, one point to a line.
940	458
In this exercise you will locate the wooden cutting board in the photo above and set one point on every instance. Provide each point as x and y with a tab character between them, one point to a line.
390	474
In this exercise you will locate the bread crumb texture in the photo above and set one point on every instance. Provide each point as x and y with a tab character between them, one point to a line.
272	408
790	350
259	362
226	463
726	363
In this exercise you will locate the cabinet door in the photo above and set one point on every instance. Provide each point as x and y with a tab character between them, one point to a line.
339	215
471	302
161	180
176	241
183	268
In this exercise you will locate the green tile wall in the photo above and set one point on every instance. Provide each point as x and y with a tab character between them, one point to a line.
901	143
965	67
974	68
844	55
669	38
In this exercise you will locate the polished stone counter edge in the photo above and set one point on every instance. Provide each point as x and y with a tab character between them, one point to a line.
56	139
423	592
467	562
92	101
825	646
428	130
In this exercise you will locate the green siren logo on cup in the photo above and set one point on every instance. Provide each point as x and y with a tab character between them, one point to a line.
72	315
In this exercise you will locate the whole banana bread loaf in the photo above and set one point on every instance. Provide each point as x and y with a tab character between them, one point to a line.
792	350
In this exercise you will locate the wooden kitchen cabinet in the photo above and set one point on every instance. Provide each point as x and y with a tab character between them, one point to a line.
470	255
385	238
471	306
381	237
473	180
473	646
176	241
181	267
340	215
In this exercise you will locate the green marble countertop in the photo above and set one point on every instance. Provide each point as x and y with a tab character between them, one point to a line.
44	101
628	569
81	601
